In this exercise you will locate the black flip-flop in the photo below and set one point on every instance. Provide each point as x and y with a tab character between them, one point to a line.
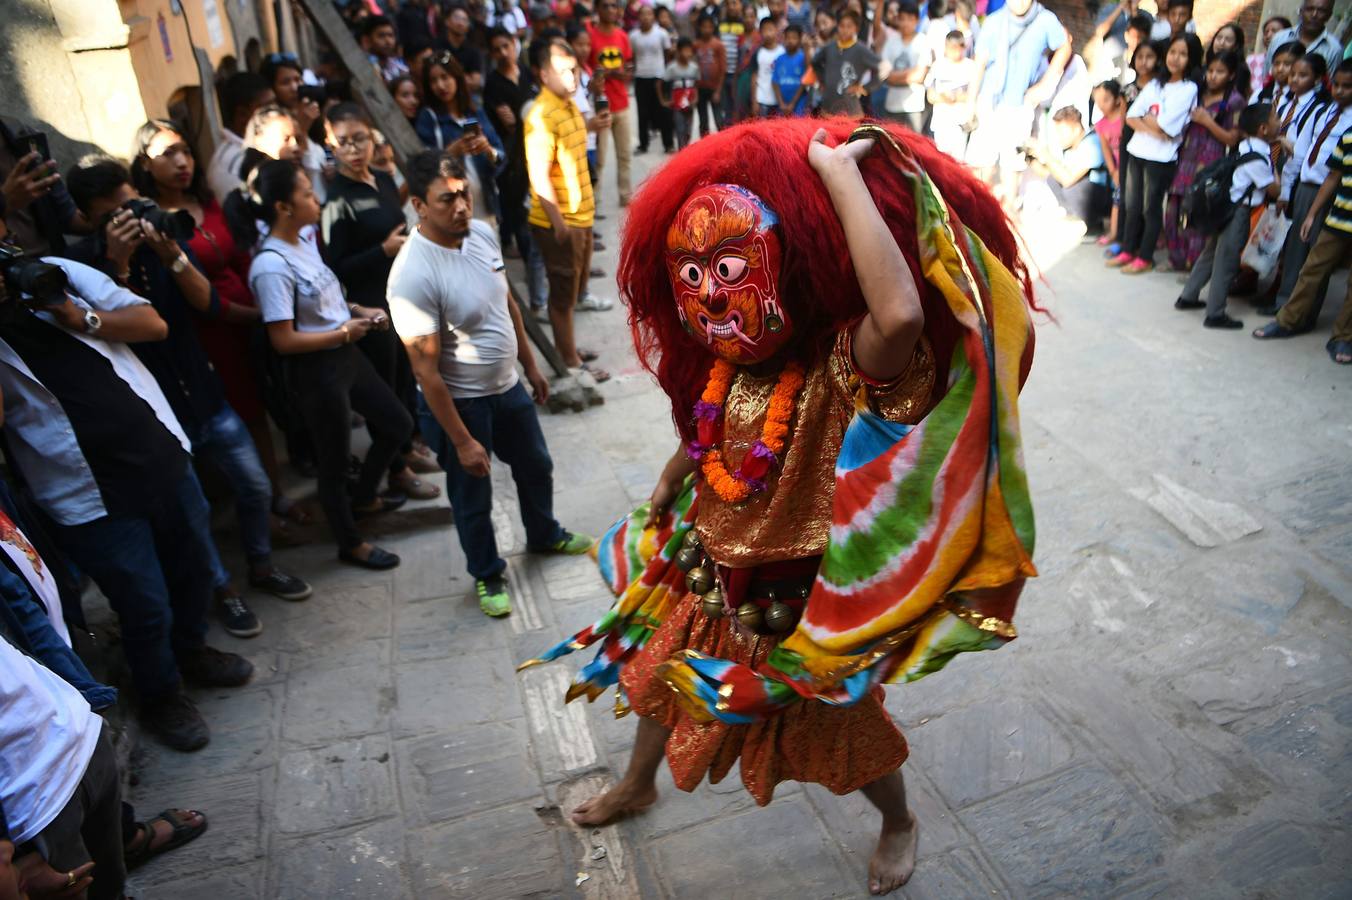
388	502
1335	347
598	375
588	355
181	833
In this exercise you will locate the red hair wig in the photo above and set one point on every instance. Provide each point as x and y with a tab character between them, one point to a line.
817	283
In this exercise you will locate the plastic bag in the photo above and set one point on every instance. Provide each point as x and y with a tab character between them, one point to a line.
1264	249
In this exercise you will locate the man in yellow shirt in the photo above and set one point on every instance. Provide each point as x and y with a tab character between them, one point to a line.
562	207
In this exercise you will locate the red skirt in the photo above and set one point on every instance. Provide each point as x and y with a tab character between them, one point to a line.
841	748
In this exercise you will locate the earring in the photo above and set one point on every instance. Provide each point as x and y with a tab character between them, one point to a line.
773	323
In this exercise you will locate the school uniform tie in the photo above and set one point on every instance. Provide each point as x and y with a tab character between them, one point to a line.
1335	115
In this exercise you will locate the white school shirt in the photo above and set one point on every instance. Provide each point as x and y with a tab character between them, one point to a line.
47	737
1170	104
1297	167
1291	109
1253	177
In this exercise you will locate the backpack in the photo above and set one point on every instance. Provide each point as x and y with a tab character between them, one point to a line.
1207	206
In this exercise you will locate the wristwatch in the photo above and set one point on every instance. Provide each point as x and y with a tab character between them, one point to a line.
179	264
92	322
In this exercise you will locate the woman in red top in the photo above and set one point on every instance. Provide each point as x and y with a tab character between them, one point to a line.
226	332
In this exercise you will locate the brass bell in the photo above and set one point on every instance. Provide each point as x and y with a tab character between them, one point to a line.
691	540
713	603
750	616
779	618
687	558
699	579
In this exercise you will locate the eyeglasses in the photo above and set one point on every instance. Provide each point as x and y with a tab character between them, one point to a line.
356	142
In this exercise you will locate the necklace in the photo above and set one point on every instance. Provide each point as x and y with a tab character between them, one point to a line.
765	452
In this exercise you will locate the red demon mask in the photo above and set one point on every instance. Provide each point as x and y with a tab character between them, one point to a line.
723	256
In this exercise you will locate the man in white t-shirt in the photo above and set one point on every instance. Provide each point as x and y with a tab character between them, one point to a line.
451	305
59	788
652	49
908	52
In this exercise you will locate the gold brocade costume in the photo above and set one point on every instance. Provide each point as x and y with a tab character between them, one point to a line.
791	518
842	748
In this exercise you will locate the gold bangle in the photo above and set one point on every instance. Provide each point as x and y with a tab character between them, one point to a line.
347	335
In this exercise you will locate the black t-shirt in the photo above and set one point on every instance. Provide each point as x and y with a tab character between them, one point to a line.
469	57
178	362
357	219
500	90
134	459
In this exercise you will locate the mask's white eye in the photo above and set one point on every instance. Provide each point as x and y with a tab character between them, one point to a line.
691	274
730	269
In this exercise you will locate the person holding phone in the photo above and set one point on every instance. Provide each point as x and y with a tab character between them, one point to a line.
450	120
33	200
311	324
363	227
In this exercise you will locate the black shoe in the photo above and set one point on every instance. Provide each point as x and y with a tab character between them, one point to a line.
279	584
639	151
237	618
1184	303
176	722
1222	321
386	502
209	667
377	559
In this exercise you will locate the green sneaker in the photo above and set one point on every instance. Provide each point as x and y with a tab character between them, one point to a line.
493	597
573	544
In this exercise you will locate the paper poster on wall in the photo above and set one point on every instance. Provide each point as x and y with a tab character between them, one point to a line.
215	30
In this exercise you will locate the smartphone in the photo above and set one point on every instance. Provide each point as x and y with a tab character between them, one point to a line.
602	104
36	142
473	128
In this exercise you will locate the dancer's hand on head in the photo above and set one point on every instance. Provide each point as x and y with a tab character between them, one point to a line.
829	161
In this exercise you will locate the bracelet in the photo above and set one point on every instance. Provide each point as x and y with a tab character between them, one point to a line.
347	335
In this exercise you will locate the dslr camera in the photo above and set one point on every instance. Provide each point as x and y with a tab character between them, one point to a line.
30	281
177	225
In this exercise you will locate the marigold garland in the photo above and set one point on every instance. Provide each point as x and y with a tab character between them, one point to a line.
764	453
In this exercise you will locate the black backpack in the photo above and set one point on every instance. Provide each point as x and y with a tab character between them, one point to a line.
1207	206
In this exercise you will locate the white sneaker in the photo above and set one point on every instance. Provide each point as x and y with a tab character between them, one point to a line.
593	303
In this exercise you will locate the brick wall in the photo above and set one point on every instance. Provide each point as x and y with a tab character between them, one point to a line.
1080	16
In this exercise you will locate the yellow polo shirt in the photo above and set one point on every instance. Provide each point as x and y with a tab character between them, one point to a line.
556	131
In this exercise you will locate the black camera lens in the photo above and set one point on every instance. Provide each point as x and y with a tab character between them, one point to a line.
44	282
178	225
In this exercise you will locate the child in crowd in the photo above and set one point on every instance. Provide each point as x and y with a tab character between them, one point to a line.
730	32
678	90
1230	38
1305	88
1174	19
1158	118
824	26
1277	87
712	58
1254	180
1145	64
908	54
946	87
1112	113
789	70
1207	138
1304	174
765	100
843	65
1257	61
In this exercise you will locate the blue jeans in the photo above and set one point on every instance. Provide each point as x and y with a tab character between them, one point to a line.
225	440
23	619
506	425
156	574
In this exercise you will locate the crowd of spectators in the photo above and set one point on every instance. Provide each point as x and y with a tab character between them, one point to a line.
164	317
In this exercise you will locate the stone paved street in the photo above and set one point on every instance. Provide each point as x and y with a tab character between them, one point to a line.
1174	720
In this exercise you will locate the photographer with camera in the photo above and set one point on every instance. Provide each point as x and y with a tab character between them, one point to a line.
93	438
145	248
1072	168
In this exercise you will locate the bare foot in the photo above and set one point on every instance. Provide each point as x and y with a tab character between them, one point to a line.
894	860
615	803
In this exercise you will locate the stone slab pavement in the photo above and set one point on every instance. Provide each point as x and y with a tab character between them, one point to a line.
1173	721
